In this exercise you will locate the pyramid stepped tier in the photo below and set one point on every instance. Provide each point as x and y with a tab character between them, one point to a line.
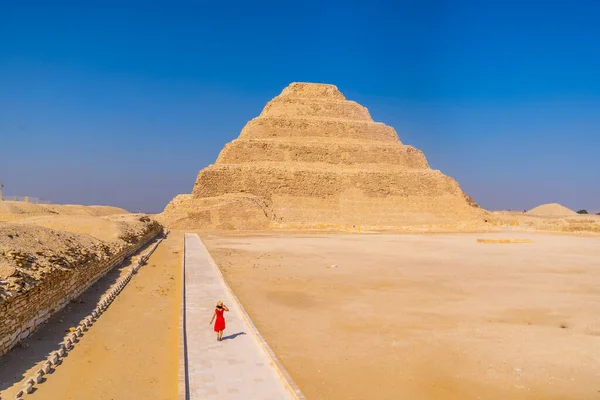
301	100
369	155
312	90
318	130
287	106
313	159
319	181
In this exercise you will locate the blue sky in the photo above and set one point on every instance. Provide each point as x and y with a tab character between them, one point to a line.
123	102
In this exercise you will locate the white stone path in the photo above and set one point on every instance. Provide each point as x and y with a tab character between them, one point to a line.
241	366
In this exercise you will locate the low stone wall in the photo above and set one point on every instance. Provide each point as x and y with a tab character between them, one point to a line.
21	315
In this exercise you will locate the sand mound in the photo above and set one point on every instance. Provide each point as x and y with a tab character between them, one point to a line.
100	228
75	209
313	159
14	210
551	210
11	207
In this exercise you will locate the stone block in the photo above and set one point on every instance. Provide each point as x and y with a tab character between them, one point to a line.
29	385
40	321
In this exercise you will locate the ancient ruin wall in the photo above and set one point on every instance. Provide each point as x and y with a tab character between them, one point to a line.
21	315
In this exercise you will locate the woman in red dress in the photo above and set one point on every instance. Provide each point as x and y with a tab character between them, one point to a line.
220	323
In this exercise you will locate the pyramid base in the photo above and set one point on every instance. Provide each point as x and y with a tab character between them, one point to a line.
349	211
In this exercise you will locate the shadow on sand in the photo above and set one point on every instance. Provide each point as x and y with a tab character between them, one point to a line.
15	364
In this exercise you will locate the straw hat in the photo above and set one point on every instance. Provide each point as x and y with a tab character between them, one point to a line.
219	304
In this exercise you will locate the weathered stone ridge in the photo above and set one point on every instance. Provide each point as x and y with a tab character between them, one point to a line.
313	159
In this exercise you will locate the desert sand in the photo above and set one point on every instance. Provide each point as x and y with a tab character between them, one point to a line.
424	316
359	317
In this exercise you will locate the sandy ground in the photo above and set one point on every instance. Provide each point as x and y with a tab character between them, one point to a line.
399	316
131	350
424	316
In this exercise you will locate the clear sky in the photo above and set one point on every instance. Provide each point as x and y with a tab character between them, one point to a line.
122	103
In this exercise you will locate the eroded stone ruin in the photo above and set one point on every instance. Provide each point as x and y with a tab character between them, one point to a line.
313	159
42	269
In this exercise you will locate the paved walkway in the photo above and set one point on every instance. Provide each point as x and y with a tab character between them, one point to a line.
240	366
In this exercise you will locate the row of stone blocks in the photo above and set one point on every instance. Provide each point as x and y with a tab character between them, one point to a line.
72	338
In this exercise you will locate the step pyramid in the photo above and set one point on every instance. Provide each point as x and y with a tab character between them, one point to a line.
314	160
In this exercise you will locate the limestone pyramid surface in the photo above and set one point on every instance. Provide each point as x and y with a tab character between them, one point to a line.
313	159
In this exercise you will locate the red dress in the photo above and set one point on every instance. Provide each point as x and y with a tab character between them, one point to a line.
220	322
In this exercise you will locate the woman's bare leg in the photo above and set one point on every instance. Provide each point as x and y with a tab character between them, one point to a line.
221	335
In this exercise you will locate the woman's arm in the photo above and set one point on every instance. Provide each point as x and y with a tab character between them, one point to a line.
225	308
213	317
